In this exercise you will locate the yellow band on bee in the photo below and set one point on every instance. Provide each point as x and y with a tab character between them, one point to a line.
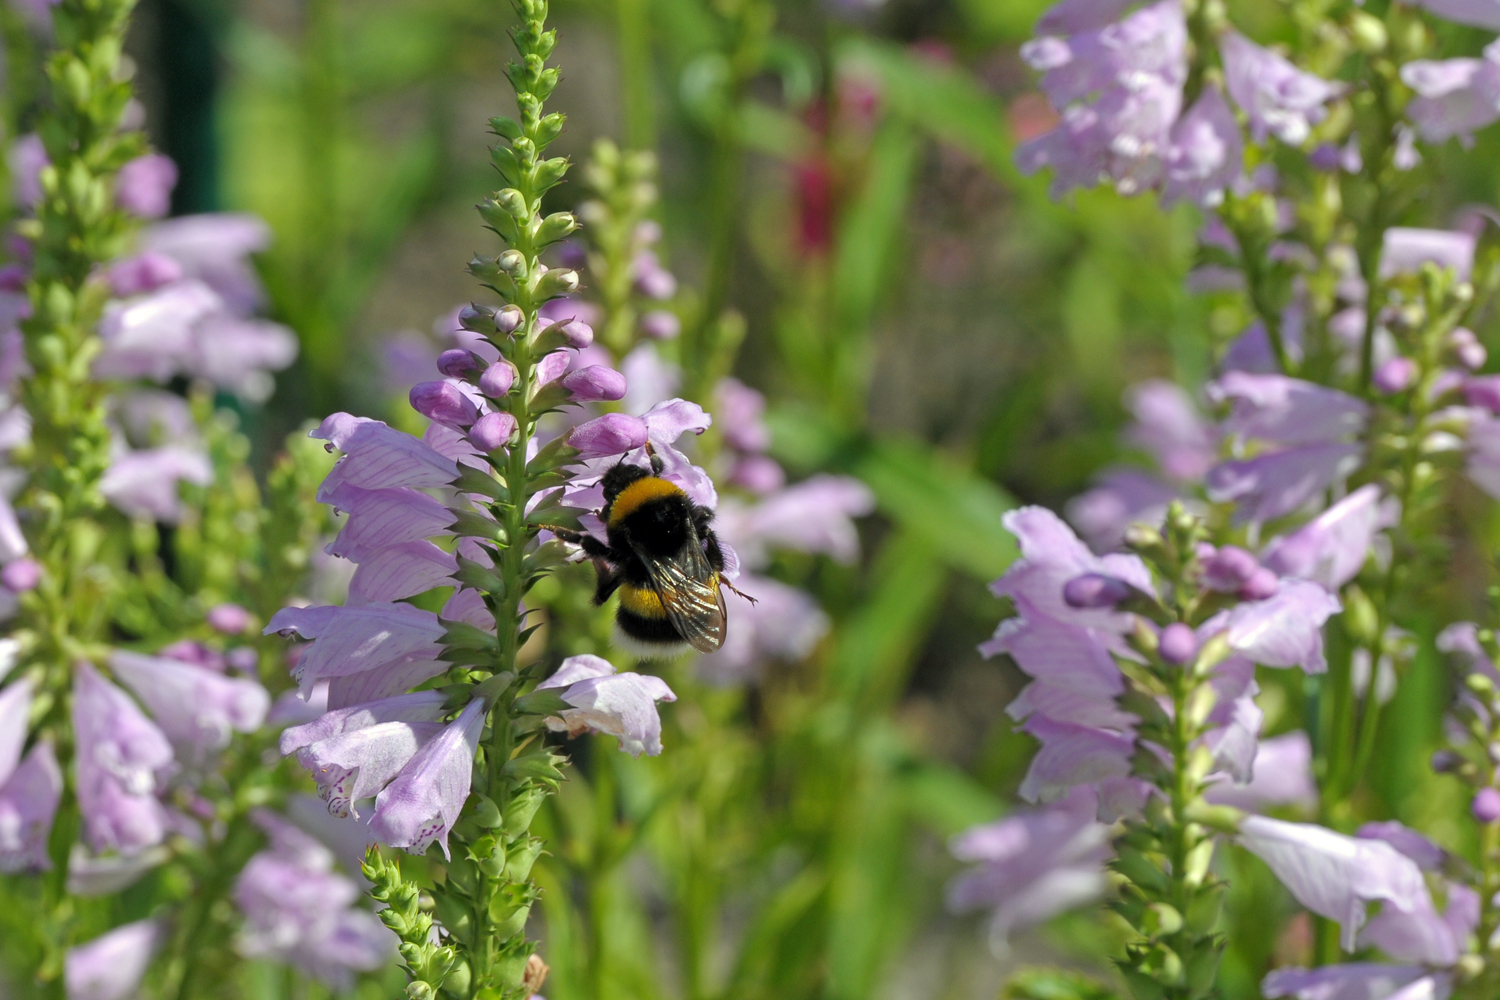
637	493
641	602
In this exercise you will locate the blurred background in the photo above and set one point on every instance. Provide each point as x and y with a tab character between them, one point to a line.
837	176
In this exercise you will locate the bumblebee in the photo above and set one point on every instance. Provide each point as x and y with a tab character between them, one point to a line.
665	561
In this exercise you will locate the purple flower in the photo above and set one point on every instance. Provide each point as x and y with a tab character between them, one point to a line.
1333	875
28	802
1282	631
214	249
1072	754
1486	805
399	571
1122	497
144	483
111	966
783	624
1395	374
815	515
379	457
741	410
422	803
238	354
1277	97
1286	410
1074	676
122	760
497	379
1483	466
152	336
145	272
1169	426
1356	981
230	619
661	325
1404	251
620	705
367	652
15	711
1272	485
1206	153
354	752
1478	13
1032	865
21	575
1331	548
1281	774
651	279
1455	97
381	518
195	707
593	383
650	379
27	158
1051	555
298	910
144	185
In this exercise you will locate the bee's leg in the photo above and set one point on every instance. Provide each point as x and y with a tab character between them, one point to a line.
592	547
609	580
725	583
656	462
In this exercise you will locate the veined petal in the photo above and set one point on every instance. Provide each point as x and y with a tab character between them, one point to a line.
424	800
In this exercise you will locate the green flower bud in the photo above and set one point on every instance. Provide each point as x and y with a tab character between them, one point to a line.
560	281
513	263
1368	33
555	226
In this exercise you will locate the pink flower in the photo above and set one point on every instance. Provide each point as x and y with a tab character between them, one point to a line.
111	966
123	760
421	805
197	708
619	705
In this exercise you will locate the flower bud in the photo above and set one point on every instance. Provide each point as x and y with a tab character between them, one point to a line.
577	334
491	431
444	403
20	575
555	226
231	619
611	434
1177	644
1446	761
1228	569
1263	584
509	319
513	263
562	281
455	362
1395	375
1096	590
478	319
1486	805
596	382
1368	33
497	379
513	202
1467	348
661	325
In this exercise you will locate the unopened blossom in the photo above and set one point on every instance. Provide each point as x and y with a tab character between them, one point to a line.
492	431
1455	97
231	619
1278	98
197	708
659	324
422	803
29	795
1404	251
111	966
651	279
444	402
602	701
594	383
300	911
1032	865
650	379
353	753
611	434
143	187
1332	547
1335	876
122	759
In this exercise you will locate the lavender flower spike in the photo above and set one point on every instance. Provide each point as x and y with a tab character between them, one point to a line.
1330	549
110	967
28	803
621	705
1285	630
1455	97
422	803
1276	96
1333	875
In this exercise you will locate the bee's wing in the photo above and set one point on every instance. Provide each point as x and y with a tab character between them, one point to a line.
689	591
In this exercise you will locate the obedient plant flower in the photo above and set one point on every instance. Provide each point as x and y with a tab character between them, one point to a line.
1033	865
423	801
365	652
1332	547
353	753
1206	153
123	760
1479	13
143	186
1405	250
196	707
1278	98
602	701
298	910
29	796
1455	97
111	966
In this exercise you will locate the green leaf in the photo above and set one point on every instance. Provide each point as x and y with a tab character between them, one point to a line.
472	480
1055	984
479	576
548	702
539	766
462	635
954	510
474	524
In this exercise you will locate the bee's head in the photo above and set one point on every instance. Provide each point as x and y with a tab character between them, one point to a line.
620	476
